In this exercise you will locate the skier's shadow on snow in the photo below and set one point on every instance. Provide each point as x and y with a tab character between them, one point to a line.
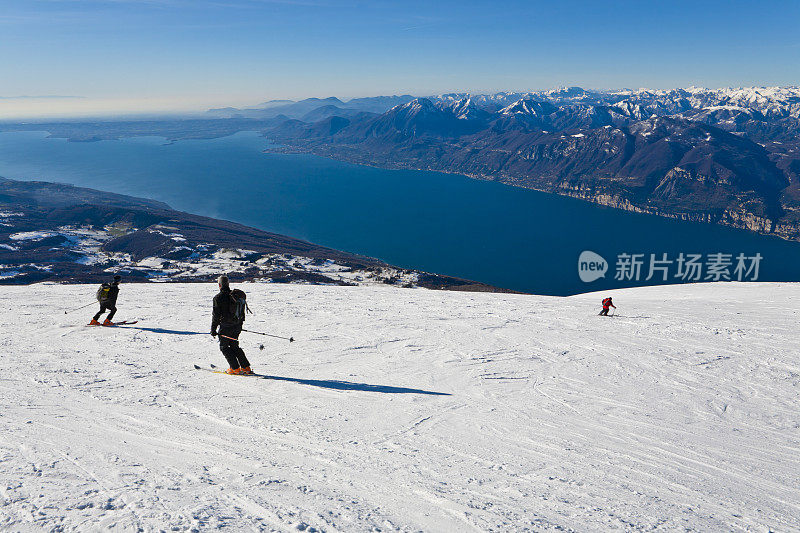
168	331
348	385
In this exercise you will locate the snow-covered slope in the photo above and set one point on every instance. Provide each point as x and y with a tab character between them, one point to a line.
404	410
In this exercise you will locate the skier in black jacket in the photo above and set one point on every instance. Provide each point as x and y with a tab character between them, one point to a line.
108	302
224	318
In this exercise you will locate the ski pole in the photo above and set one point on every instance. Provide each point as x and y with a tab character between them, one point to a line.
79	308
290	339
260	346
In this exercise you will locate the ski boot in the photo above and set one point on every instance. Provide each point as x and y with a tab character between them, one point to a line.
107	322
234	371
94	323
247	371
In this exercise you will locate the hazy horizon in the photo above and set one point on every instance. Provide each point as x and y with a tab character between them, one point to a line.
64	107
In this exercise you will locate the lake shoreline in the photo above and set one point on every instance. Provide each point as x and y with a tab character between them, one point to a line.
755	225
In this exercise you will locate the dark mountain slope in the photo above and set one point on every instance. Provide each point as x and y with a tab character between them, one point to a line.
625	154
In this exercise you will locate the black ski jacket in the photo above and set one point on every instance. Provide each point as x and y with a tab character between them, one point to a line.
223	313
113	292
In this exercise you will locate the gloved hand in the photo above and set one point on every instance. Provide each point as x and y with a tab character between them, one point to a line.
214	332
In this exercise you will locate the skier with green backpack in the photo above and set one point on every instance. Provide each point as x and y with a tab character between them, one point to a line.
228	316
107	298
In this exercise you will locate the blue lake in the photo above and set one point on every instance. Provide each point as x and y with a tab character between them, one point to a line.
449	224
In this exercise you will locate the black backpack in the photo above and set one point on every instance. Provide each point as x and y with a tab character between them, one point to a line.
239	305
102	292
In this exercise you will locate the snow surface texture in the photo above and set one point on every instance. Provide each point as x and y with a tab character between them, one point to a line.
404	410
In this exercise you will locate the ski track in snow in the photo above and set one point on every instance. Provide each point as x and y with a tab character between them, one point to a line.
680	413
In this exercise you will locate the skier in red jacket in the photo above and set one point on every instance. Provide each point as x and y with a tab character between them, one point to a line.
607	303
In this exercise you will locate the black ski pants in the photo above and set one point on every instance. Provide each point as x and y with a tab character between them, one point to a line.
604	312
230	348
106	307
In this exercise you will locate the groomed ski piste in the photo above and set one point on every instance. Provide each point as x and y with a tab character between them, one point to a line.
404	409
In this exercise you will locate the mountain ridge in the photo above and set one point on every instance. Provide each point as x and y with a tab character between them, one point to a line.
727	156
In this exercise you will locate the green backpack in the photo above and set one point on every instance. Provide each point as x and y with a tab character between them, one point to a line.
102	292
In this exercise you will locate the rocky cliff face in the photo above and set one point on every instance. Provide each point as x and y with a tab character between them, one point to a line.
728	156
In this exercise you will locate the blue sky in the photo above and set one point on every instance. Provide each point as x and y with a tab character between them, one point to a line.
213	52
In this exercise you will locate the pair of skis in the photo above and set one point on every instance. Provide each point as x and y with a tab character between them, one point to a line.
123	323
216	370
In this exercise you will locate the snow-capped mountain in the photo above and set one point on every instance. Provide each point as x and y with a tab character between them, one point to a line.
770	101
398	410
529	107
730	156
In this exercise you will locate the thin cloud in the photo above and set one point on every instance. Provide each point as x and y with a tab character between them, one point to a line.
39	97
